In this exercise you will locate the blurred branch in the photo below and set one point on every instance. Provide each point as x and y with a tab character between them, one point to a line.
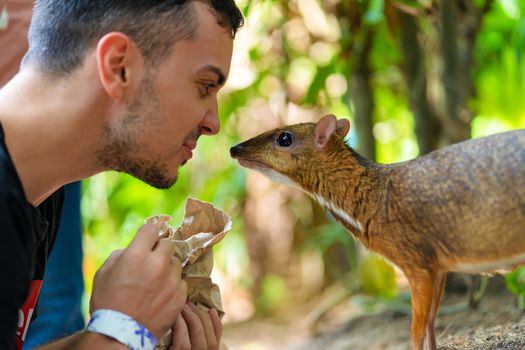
332	296
413	9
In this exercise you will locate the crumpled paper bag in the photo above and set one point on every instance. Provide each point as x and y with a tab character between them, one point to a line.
203	226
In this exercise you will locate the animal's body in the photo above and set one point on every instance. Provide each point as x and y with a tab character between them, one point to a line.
460	208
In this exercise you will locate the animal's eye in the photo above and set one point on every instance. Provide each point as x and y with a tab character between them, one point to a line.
285	139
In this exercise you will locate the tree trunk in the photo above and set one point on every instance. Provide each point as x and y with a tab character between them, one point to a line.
362	96
460	22
428	127
455	78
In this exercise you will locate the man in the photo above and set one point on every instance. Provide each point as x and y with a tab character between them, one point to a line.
108	85
59	301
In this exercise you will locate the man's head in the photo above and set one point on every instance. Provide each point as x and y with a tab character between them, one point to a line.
159	64
63	31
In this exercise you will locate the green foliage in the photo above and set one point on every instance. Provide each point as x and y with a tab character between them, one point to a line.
330	236
323	237
374	14
377	277
273	291
516	284
285	72
501	79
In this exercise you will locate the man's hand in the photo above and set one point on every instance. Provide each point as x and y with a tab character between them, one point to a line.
142	281
196	329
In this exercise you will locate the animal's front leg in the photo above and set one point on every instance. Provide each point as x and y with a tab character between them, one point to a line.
422	288
439	286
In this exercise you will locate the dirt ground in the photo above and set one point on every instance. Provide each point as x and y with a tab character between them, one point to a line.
495	324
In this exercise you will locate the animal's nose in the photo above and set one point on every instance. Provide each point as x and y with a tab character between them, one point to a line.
236	150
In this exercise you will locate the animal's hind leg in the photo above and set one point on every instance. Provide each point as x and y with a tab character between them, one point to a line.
439	286
422	289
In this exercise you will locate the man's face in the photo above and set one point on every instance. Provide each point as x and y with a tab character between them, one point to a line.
175	103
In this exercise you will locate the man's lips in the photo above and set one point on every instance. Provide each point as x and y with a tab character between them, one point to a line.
189	147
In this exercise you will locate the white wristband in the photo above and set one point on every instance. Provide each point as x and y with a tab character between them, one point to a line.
122	328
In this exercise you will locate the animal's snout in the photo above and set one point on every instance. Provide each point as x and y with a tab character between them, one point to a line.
236	150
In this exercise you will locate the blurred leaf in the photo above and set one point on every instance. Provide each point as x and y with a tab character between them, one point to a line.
273	291
479	3
378	277
324	236
375	12
516	284
247	8
318	83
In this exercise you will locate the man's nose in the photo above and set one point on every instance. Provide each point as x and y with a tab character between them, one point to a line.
211	125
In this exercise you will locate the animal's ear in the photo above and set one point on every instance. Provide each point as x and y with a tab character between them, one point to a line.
343	127
324	130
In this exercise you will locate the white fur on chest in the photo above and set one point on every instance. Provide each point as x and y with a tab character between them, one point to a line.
339	212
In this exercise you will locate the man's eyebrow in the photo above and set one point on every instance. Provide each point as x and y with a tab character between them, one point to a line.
221	78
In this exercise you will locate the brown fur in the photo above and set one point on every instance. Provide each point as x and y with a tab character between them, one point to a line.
463	204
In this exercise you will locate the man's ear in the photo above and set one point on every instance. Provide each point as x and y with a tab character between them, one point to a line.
117	56
324	130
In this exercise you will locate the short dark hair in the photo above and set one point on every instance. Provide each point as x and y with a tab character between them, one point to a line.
62	31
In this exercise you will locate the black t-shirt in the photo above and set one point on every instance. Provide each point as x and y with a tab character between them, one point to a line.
27	235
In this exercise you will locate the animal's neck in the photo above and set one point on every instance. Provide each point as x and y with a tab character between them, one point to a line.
352	188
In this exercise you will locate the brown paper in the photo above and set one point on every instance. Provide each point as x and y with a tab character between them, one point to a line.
203	226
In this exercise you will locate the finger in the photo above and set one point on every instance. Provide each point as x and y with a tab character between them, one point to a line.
145	239
165	248
176	266
195	330
178	297
113	257
181	338
99	275
111	260
217	324
207	325
159	220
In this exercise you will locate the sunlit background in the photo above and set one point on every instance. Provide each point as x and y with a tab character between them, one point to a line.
295	61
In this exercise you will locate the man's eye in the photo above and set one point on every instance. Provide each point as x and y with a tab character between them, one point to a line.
285	139
208	88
